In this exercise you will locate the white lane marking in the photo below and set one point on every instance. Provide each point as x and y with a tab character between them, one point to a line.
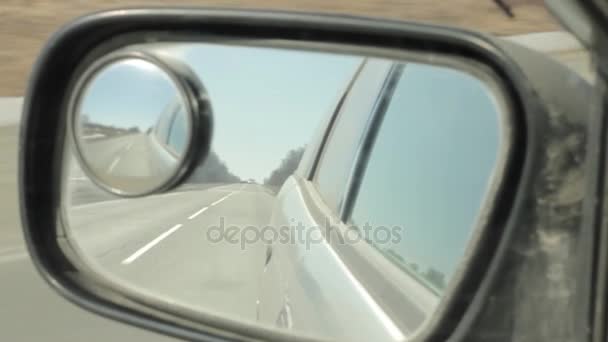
223	198
197	213
113	165
124	150
230	194
211	205
151	244
219	201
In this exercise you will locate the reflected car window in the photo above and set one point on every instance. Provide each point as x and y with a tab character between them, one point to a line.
338	155
177	139
428	171
164	123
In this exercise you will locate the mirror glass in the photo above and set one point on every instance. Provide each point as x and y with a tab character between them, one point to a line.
131	126
340	198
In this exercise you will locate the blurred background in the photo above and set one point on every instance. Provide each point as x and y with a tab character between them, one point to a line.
29	311
26	24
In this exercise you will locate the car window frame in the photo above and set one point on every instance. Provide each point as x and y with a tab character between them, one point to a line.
312	155
174	117
363	259
342	114
366	144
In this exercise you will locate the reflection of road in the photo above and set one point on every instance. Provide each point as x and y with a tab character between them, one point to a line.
29	309
128	155
160	243
108	152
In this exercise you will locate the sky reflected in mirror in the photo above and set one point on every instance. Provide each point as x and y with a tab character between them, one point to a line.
266	100
246	236
127	94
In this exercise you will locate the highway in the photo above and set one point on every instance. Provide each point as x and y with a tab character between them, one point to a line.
29	309
161	243
130	155
183	265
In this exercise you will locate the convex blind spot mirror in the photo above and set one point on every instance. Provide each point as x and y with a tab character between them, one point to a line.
133	118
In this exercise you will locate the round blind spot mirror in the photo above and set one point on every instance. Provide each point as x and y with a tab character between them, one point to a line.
132	122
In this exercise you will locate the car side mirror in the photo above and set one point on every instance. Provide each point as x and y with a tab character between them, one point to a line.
432	137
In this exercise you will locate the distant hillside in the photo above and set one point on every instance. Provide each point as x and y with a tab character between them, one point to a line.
287	167
26	24
213	170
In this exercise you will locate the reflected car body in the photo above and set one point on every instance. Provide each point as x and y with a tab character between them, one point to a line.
171	129
169	136
308	286
324	286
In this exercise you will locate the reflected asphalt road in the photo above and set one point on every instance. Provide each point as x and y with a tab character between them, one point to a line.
29	309
136	156
110	154
163	244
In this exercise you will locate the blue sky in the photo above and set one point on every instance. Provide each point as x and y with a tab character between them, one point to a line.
266	101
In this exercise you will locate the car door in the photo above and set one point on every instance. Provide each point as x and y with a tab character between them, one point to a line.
292	296
384	220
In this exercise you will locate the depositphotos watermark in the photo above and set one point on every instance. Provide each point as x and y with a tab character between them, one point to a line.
299	233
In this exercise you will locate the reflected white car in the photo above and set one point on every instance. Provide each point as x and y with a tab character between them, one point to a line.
373	161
